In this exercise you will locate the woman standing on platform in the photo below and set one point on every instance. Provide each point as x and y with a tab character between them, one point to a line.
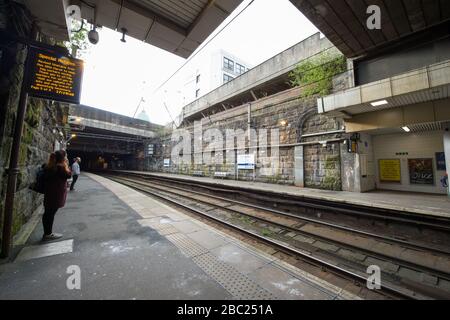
56	174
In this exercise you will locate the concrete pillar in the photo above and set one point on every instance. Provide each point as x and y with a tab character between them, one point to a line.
298	167
447	155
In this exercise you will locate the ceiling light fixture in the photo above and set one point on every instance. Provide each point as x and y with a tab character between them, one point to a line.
406	129
379	103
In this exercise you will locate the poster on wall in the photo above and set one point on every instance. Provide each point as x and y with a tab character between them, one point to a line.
440	161
390	170
421	171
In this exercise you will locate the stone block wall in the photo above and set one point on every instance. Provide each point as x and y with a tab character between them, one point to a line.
293	117
44	120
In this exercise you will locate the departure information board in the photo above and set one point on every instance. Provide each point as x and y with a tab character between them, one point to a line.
54	76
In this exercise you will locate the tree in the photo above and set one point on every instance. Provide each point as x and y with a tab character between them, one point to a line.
79	43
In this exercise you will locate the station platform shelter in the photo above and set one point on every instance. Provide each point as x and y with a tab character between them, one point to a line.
125	245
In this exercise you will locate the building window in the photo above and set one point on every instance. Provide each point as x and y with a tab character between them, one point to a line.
197	80
227	78
240	69
228	64
197	93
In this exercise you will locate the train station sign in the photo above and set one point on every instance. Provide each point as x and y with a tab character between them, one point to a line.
53	76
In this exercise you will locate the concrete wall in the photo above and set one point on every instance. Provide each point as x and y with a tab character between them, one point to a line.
358	171
402	61
406	146
270	69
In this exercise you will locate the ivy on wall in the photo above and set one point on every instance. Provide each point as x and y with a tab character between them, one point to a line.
316	74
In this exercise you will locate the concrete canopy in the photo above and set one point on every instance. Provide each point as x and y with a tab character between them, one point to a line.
344	22
173	25
51	17
177	26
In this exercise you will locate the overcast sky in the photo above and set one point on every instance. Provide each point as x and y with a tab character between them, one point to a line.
118	74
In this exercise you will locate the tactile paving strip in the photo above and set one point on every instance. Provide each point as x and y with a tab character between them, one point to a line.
233	281
188	246
163	228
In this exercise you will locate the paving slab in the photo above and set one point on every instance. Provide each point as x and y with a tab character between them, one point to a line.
239	258
207	239
186	226
287	286
45	250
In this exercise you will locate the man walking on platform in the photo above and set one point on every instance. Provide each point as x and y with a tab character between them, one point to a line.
75	172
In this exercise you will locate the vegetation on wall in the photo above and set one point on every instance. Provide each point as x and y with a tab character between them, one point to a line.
316	74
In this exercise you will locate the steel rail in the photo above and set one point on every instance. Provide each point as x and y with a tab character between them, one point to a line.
420	268
349	274
358	210
385	238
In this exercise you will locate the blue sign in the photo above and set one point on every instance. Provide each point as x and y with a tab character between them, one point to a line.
440	161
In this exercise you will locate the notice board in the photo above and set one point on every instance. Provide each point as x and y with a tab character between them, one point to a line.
421	171
54	76
390	170
166	163
246	161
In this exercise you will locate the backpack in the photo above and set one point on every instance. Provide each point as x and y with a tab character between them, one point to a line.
39	185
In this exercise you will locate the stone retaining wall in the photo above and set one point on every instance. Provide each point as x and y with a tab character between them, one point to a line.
43	122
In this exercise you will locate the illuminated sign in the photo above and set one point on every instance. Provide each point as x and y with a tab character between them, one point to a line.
54	76
390	170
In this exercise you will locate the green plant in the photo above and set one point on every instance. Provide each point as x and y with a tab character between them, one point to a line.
78	44
316	74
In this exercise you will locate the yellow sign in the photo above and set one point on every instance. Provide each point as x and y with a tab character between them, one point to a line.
390	170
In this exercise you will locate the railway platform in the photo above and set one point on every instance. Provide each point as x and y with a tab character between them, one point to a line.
121	244
424	204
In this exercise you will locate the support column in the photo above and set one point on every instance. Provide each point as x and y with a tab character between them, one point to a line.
447	156
299	167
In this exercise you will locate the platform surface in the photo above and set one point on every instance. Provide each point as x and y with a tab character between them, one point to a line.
129	246
420	203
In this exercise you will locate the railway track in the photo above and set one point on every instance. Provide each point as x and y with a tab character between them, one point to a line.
410	229
339	249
